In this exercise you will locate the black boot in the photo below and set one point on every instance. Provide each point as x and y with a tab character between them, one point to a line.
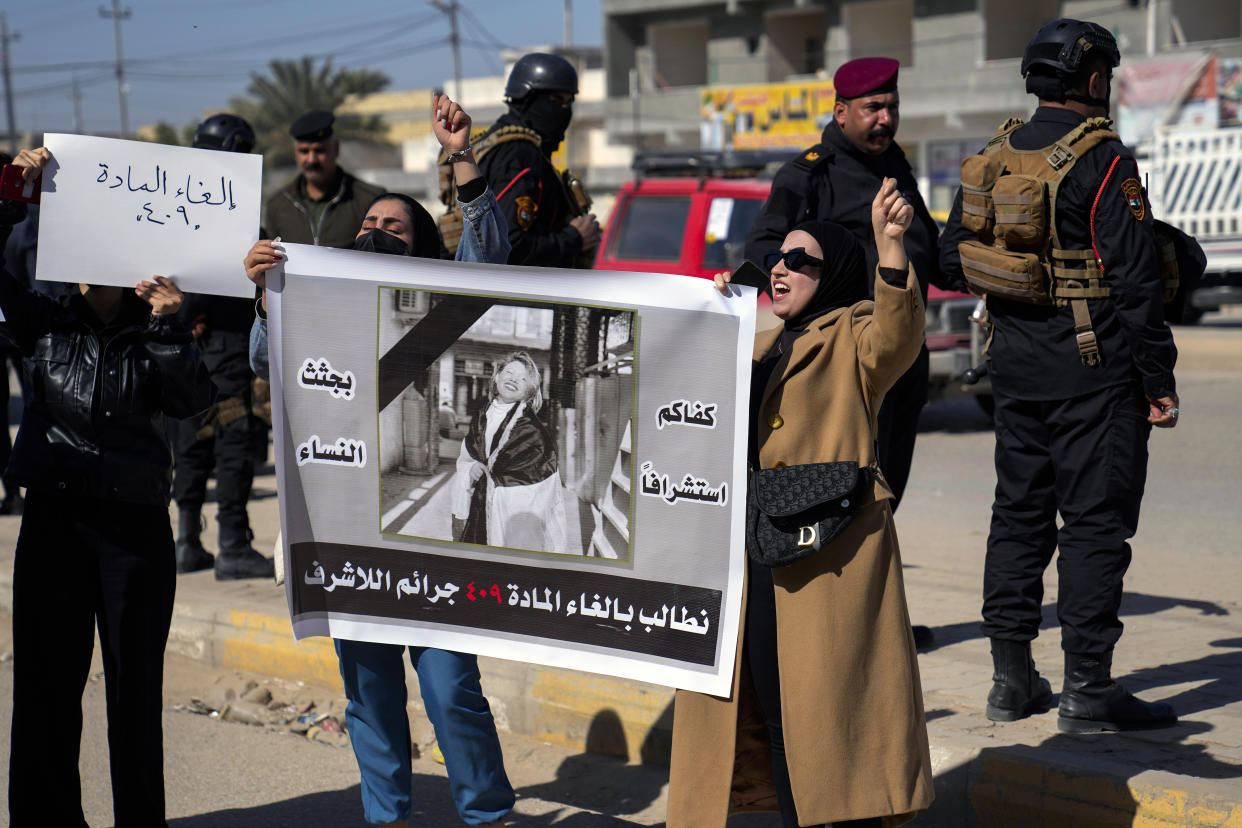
237	558
1017	689
1091	702
191	556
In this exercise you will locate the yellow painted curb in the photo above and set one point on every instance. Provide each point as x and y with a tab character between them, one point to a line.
264	644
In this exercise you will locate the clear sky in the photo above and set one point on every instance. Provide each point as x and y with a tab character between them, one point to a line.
184	56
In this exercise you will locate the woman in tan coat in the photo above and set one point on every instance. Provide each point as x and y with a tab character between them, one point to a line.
825	720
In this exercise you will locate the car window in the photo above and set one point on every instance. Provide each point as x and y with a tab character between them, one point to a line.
652	228
728	224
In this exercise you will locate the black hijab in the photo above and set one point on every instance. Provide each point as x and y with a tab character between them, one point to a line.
426	233
843	277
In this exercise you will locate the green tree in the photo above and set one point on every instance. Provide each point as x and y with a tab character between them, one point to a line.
294	87
166	133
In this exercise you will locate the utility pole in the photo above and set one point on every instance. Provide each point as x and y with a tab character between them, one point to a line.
5	40
117	16
77	105
569	23
449	7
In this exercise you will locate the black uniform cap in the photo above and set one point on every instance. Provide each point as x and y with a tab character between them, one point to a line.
313	126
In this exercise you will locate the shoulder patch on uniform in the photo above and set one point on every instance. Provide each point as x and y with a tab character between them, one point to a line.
1132	192
526	209
812	158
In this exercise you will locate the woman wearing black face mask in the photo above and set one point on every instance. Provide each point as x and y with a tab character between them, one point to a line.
373	674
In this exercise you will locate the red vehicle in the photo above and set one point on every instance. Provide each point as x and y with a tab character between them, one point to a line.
691	213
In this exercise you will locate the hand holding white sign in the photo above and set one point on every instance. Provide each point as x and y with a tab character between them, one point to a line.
136	208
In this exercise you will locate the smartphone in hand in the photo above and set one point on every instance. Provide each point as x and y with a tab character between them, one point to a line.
13	188
752	275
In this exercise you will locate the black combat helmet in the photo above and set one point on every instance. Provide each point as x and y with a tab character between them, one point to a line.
224	132
1062	44
540	70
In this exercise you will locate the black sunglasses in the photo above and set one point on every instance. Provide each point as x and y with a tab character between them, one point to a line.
795	259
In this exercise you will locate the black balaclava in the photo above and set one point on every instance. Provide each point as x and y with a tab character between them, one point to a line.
843	277
538	111
426	234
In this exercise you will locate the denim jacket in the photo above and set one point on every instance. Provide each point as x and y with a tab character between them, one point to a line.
484	239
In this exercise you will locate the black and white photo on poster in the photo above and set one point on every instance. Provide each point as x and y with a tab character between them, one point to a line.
513	433
613	372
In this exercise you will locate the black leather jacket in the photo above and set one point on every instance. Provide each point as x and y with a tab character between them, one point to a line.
94	425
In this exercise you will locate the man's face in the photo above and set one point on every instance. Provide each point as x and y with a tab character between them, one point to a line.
317	160
870	122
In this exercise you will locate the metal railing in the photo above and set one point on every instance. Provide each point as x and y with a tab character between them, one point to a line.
1196	180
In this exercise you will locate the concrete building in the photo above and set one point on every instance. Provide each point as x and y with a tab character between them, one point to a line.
960	60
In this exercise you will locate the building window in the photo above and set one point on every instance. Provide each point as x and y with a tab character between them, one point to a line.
880	27
1200	20
411	302
679	52
795	43
1008	26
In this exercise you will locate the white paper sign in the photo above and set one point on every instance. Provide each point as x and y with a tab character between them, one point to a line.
117	212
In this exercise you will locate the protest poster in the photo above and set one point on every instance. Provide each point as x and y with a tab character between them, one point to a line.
602	529
137	209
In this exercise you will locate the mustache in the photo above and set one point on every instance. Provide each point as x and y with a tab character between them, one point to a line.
882	131
314	166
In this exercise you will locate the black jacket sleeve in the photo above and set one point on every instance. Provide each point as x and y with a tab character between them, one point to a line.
1125	243
26	313
516	176
185	387
950	260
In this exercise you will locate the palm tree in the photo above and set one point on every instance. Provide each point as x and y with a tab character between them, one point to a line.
295	87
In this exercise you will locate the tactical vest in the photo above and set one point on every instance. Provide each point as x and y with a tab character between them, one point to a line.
1009	200
482	141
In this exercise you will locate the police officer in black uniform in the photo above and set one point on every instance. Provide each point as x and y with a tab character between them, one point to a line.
1071	437
230	435
836	180
544	226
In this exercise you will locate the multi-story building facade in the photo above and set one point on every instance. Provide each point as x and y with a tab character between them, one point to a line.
960	61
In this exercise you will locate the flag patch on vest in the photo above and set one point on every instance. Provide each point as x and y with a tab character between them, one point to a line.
1132	191
526	209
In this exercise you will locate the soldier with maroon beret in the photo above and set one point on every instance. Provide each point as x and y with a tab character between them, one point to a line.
835	180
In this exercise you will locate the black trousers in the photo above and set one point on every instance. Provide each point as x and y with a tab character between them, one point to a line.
897	424
230	451
759	653
82	562
1085	458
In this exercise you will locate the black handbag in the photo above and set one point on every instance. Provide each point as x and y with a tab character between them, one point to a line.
793	511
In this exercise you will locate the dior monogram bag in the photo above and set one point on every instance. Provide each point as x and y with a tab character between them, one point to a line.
793	511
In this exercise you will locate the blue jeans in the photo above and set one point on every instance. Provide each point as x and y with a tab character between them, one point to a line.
374	679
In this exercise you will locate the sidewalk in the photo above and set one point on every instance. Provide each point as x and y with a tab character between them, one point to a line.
1183	643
